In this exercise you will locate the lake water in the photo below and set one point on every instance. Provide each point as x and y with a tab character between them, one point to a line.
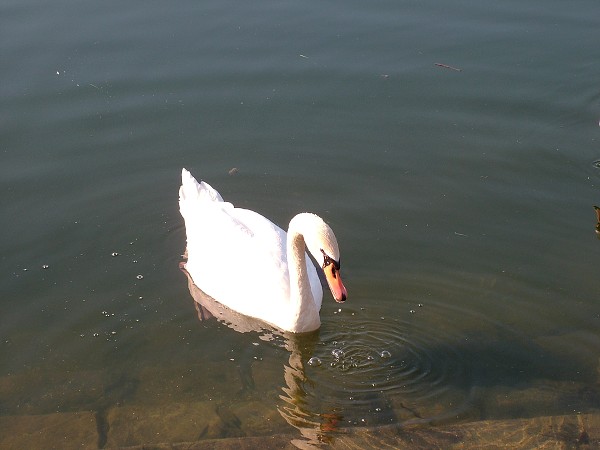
453	147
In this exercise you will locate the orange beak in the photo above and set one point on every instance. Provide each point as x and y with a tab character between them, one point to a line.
334	280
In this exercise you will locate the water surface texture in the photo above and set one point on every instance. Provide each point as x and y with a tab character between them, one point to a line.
452	146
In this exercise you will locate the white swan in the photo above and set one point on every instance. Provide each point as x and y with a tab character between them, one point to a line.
248	264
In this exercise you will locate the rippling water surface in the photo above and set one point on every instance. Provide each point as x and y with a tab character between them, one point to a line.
453	149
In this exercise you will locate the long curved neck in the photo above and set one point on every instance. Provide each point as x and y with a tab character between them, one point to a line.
301	297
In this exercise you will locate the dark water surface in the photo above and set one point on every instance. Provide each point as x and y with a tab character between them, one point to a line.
453	147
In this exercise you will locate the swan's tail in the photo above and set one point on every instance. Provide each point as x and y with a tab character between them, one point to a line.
203	208
194	197
191	191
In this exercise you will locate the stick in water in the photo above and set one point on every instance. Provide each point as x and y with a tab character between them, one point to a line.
445	66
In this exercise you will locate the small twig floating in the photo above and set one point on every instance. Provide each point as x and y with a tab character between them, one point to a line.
445	66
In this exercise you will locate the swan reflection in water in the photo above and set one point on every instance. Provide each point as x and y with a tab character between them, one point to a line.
316	429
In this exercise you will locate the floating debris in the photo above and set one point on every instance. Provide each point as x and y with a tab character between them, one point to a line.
233	171
45	266
446	66
113	254
385	354
140	277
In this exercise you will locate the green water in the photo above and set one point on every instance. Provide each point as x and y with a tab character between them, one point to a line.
452	147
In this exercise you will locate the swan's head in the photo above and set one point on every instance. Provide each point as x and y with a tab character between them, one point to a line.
322	244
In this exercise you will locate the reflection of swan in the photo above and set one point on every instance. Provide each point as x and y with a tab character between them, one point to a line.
249	264
315	428
598	218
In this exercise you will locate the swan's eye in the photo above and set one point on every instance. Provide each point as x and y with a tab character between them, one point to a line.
326	259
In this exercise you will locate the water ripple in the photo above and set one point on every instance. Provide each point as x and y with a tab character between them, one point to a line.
381	370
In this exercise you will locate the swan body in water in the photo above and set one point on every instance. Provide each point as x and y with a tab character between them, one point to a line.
247	263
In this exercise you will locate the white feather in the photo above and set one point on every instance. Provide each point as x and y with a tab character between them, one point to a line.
240	258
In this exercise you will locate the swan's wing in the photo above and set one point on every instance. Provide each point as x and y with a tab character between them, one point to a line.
235	255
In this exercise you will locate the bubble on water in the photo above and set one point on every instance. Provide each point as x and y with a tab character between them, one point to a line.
45	266
385	354
114	254
337	353
314	361
140	277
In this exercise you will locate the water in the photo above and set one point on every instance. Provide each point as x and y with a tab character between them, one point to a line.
461	195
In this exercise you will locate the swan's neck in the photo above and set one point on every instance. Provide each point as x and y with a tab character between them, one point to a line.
306	313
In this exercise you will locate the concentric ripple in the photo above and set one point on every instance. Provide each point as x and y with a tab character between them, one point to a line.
388	356
370	369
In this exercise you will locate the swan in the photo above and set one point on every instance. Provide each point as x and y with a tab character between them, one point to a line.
247	263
